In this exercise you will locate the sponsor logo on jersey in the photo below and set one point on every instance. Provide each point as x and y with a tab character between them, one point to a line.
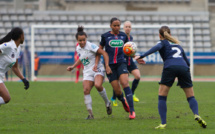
11	65
85	61
116	43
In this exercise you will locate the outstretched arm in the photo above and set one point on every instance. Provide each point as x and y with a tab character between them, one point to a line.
70	68
152	50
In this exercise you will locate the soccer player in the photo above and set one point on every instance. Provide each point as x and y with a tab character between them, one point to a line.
177	65
132	67
87	52
78	67
9	54
113	42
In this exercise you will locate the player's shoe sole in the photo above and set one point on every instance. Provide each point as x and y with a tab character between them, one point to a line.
109	109
201	122
126	106
161	126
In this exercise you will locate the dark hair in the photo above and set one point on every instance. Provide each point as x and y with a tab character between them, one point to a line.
165	32
114	19
14	34
80	31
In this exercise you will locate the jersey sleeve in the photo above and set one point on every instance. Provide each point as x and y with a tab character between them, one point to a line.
94	48
4	47
153	49
102	42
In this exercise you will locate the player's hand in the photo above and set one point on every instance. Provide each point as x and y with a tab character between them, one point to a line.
108	70
26	83
70	68
140	61
95	68
136	57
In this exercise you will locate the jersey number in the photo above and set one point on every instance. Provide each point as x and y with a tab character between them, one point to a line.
178	53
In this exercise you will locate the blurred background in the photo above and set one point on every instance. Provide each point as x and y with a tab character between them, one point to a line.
55	47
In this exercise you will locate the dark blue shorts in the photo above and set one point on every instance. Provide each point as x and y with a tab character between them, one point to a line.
181	72
117	70
130	64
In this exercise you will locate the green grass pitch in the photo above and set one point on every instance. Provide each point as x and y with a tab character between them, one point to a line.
58	108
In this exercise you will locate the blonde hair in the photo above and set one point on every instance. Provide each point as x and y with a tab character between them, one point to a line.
165	32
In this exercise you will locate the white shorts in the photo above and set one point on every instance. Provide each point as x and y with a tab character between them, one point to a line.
2	78
90	74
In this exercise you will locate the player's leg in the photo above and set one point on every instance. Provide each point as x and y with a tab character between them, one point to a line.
123	78
4	94
99	79
87	85
136	74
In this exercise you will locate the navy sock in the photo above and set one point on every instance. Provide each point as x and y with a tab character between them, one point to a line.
193	105
134	85
129	98
121	98
162	108
114	95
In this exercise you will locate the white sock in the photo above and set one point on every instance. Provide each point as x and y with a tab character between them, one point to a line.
104	96
2	101
88	102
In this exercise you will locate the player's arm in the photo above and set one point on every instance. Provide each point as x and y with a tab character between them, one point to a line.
98	57
185	58
106	59
70	68
19	74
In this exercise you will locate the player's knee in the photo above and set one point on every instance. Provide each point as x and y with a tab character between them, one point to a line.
7	99
86	91
137	77
124	84
98	86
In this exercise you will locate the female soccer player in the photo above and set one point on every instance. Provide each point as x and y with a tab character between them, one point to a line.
177	65
132	67
9	54
87	52
113	42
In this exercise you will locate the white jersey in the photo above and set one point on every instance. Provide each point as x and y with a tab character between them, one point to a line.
87	56
8	56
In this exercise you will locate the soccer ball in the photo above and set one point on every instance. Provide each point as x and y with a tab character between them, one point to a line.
129	48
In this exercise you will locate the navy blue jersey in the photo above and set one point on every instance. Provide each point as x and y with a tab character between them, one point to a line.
114	46
172	54
129	59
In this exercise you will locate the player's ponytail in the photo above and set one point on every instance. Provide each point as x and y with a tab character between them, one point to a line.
14	34
165	32
80	31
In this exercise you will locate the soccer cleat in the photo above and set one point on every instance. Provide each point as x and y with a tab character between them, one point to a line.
109	109
200	121
114	102
161	126
135	98
132	115
89	117
126	106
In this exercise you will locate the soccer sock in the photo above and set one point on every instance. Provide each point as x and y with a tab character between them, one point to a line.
193	105
129	98
104	96
2	101
88	103
77	74
121	98
162	108
114	95
134	85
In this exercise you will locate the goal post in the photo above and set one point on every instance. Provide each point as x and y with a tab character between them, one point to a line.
35	27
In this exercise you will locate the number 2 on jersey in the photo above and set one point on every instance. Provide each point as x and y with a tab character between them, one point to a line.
178	53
